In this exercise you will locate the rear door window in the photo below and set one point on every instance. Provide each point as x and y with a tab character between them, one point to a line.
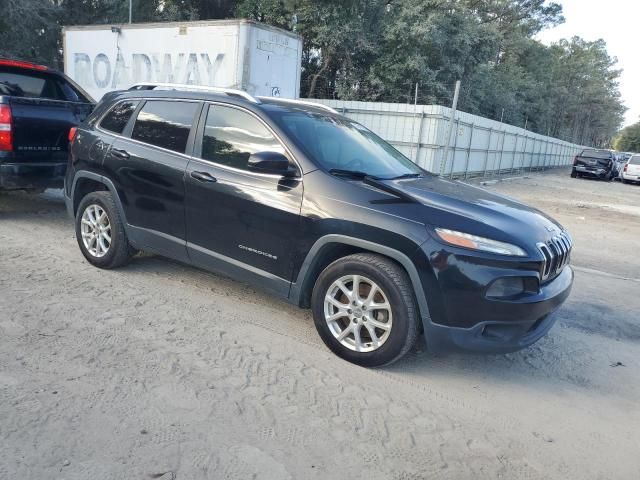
118	117
231	135
19	83
165	124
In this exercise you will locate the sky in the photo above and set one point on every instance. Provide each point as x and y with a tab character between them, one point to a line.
615	21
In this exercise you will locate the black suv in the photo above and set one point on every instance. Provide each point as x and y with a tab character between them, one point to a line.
296	199
594	163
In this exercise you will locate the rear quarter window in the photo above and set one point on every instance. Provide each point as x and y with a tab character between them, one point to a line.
118	117
165	124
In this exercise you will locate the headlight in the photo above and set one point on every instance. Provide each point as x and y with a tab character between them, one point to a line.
466	240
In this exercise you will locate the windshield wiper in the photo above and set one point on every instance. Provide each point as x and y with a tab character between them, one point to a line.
350	173
375	182
405	175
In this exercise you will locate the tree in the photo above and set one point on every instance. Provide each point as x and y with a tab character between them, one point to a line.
378	50
29	30
628	140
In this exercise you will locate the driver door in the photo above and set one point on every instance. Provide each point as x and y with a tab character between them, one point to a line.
238	221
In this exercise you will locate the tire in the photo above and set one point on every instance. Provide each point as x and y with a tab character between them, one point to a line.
118	251
399	321
625	181
573	174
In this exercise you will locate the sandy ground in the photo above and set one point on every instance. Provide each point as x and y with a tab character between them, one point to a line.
159	370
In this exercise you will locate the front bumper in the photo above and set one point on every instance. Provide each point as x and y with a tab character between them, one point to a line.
15	176
502	326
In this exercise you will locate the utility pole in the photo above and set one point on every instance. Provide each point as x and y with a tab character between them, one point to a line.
130	10
454	107
413	129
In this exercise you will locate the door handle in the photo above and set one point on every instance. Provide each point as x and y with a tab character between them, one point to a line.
203	177
123	154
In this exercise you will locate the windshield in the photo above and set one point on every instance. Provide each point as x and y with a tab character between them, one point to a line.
342	145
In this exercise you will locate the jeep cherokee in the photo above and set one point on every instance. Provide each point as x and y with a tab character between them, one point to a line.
299	200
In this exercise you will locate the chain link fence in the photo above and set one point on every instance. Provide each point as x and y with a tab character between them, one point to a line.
478	146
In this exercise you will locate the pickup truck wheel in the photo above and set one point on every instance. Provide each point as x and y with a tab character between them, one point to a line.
100	232
364	309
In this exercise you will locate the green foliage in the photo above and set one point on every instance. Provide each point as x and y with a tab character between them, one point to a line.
629	139
379	50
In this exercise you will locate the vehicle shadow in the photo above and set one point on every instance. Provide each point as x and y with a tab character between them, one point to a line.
580	351
561	356
15	204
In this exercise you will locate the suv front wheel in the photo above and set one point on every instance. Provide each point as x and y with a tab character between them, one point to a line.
100	231
364	309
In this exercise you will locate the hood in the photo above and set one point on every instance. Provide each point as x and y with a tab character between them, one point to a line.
460	206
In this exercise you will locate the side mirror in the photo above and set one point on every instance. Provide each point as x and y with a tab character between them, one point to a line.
269	162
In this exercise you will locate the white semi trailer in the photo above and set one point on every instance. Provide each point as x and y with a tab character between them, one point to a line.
242	54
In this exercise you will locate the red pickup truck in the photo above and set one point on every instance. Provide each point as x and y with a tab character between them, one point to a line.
38	106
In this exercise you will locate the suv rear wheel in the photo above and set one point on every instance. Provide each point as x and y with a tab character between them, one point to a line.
364	309
100	232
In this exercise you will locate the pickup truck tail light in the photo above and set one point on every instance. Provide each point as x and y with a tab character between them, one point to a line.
6	128
72	133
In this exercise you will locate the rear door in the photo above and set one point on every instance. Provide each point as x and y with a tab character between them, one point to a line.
238	221
44	106
148	169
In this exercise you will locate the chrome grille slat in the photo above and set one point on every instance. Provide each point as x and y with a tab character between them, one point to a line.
556	253
562	249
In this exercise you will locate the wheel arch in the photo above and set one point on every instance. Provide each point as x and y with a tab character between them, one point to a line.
329	248
85	182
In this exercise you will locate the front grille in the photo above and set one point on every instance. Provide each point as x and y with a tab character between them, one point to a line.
556	252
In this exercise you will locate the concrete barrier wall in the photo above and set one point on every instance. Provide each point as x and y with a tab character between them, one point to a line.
478	147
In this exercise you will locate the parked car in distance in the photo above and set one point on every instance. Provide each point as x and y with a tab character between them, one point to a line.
296	199
619	161
38	106
631	170
594	163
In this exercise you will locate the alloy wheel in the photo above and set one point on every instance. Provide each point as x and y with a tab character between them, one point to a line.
358	313
96	230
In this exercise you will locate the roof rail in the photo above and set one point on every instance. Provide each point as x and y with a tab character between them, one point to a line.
195	88
301	102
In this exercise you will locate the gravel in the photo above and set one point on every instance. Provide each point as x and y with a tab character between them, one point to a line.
160	370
